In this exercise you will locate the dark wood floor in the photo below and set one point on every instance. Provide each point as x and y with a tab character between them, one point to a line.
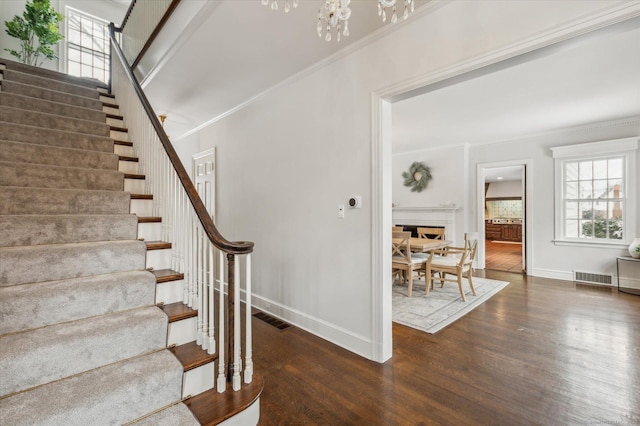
540	352
503	256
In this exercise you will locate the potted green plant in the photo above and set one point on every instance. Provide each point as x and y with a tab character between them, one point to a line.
37	31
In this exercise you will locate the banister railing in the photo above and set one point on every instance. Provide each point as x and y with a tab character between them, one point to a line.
141	24
198	248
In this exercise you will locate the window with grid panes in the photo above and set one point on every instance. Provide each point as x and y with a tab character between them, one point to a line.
87	46
595	192
594	198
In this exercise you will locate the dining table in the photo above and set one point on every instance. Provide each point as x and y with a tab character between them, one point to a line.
425	245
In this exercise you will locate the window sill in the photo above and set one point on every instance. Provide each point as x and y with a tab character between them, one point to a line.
592	244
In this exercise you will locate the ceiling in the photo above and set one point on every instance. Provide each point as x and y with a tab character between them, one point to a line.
273	45
590	79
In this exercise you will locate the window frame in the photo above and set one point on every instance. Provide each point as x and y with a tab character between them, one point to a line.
81	49
626	149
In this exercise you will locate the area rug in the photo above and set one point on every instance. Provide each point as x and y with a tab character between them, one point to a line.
442	306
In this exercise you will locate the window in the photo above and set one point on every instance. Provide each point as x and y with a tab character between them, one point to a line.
87	46
595	192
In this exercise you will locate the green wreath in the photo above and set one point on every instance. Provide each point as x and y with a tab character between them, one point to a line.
417	177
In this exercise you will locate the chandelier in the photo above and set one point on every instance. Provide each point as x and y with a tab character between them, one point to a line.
287	4
333	16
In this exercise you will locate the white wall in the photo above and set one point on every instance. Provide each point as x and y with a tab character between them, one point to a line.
551	260
286	161
509	188
108	10
448	171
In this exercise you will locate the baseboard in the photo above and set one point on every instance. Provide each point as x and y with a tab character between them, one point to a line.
330	332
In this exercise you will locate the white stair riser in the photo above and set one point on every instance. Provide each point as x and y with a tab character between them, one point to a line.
103	90
128	166
249	416
110	110
169	292
150	231
159	259
121	136
134	186
107	99
127	151
142	207
198	380
181	332
115	122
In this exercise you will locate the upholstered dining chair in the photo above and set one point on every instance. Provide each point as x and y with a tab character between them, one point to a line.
458	262
403	263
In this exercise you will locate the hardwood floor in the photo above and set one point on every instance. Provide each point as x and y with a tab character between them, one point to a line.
540	352
503	256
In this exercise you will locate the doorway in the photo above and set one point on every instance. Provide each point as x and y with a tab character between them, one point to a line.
204	178
504	209
504	215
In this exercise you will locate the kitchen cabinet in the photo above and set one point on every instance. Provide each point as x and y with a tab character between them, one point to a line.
503	232
493	231
511	232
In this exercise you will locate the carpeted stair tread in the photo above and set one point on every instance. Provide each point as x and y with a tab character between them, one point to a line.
23	152
49	83
14	100
47	176
30	230
36	357
175	415
51	74
53	122
33	305
113	395
30	264
49	201
50	95
43	136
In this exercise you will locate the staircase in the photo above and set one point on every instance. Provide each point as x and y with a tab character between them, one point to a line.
92	327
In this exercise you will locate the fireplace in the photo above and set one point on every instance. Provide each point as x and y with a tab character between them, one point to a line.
431	217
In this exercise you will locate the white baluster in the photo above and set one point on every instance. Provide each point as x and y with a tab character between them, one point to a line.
237	361
248	358
204	296
222	380
210	292
200	298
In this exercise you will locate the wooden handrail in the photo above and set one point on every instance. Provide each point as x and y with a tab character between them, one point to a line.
126	15
238	247
156	31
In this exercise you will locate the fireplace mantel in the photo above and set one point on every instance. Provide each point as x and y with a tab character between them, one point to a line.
428	216
424	208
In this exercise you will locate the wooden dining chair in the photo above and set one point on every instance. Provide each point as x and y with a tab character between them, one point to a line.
457	262
431	233
403	264
397	229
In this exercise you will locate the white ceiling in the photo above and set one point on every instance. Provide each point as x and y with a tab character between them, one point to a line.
503	174
593	80
241	49
596	78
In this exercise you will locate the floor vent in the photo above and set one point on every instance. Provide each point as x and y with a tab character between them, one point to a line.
275	322
587	277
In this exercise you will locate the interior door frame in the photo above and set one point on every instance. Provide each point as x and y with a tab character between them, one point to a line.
527	199
196	161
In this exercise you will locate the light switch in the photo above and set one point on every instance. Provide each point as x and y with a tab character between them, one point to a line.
341	211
